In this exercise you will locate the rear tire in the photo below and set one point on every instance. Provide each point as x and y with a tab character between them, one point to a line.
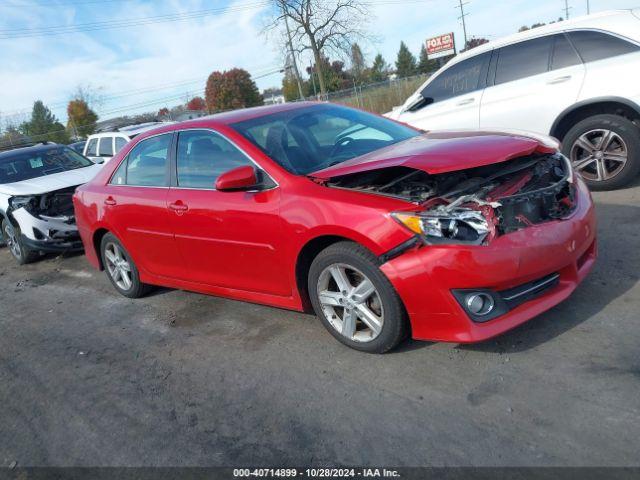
13	237
354	300
120	269
605	150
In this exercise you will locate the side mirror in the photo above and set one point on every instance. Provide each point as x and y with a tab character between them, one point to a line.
241	178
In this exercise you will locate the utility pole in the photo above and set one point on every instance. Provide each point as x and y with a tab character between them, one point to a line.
588	8
464	24
566	9
293	55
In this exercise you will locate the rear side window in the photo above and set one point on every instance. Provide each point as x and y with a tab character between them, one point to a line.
120	143
146	164
594	46
92	148
523	59
106	147
564	55
203	156
464	77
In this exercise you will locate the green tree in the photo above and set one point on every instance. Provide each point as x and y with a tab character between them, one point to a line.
81	119
379	69
406	62
425	64
231	90
358	66
44	126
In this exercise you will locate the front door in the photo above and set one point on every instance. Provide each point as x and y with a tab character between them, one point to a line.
136	204
227	239
452	99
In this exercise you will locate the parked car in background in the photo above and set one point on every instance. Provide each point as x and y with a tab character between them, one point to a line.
101	147
383	231
36	210
78	146
575	80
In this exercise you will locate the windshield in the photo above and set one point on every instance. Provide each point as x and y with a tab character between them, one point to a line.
312	138
19	166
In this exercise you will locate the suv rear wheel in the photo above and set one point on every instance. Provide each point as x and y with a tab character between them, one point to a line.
11	235
605	150
355	300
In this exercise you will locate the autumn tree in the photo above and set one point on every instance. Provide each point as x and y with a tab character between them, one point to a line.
44	126
163	112
196	103
322	27
81	119
231	90
379	69
406	62
474	42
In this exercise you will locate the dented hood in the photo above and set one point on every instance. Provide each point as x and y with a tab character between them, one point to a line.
51	183
441	152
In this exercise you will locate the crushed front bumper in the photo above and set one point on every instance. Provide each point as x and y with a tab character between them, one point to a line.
428	278
51	234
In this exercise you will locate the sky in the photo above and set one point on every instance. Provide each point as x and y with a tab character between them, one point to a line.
142	68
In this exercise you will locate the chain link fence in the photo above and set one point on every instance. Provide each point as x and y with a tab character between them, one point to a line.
379	97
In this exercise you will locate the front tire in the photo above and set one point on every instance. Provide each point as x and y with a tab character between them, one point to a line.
605	150
12	236
354	300
120	269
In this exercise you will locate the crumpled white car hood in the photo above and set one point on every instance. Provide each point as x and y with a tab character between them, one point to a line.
50	183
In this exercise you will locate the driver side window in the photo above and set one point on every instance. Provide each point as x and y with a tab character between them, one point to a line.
202	156
462	78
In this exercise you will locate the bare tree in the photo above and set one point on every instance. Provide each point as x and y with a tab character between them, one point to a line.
322	26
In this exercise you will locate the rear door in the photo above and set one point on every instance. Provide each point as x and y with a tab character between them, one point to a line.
227	239
452	98
532	83
136	207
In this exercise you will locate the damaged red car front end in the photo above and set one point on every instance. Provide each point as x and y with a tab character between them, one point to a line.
503	229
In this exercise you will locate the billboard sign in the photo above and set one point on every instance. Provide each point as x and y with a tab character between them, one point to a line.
441	46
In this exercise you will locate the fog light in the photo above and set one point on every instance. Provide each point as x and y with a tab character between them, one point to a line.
479	304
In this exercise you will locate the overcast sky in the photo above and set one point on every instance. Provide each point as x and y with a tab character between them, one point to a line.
146	67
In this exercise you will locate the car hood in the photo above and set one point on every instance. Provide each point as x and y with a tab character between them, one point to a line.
51	183
441	152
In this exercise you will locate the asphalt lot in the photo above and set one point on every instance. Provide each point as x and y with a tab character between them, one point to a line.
90	378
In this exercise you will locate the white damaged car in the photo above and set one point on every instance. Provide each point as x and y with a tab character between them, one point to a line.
36	209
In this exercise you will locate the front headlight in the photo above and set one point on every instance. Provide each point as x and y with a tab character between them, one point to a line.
20	202
457	226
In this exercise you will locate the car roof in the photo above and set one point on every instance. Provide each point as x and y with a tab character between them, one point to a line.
231	117
586	21
30	149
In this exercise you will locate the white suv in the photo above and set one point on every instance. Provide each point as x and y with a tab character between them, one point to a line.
576	80
36	188
102	147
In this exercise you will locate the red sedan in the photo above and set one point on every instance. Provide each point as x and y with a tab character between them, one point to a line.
383	230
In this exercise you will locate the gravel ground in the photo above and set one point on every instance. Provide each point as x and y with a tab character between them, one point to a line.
90	378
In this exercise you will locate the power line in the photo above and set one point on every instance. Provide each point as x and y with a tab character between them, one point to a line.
111	24
566	9
462	17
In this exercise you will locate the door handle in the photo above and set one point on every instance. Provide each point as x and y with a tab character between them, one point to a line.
467	101
178	207
110	201
555	81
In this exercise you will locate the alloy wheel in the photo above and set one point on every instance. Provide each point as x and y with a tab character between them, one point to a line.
12	241
350	302
118	266
599	154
